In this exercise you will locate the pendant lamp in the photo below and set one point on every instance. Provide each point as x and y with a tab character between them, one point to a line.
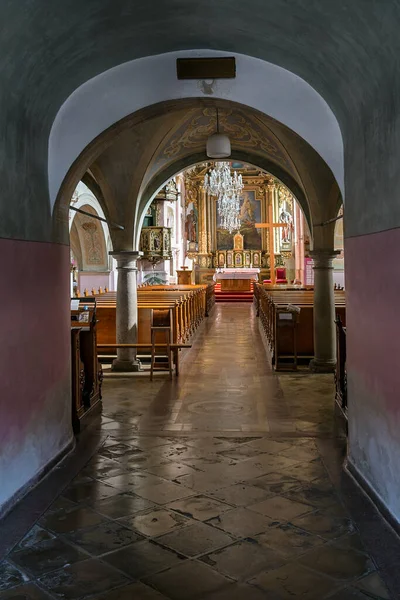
218	144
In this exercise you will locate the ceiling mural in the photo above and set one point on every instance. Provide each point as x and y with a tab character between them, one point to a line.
246	133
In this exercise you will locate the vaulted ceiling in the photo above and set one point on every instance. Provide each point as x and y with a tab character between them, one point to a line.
135	163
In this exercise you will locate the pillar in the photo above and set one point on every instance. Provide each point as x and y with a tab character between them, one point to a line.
324	360
126	317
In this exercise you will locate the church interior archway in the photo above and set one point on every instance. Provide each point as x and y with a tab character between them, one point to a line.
132	143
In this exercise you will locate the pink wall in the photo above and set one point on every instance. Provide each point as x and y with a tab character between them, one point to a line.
35	405
94	280
373	361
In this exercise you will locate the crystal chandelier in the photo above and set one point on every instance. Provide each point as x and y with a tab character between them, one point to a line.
227	188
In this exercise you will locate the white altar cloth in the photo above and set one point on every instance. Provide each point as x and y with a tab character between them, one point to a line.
236	274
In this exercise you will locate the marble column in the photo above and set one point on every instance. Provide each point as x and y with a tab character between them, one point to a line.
324	360
126	317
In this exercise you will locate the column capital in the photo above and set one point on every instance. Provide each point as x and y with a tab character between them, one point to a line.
126	259
323	258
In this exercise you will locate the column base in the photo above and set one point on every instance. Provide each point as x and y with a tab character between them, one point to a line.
322	366
125	366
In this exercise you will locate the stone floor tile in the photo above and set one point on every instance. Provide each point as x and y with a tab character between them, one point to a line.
142	559
241	494
242	522
238	591
324	525
82	579
119	449
170	470
164	493
134	591
319	494
133	480
270	446
294	581
301	454
156	522
289	541
192	580
201	508
280	508
195	539
71	520
373	585
241	452
308	471
350	593
122	505
46	556
29	591
35	536
89	492
11	576
342	565
210	444
243	560
103	538
351	542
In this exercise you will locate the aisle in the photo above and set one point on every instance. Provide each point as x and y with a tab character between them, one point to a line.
226	383
195	493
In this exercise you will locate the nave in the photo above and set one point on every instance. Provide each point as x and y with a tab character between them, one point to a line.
224	483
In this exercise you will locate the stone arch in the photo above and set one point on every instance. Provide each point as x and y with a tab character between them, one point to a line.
259	84
107	138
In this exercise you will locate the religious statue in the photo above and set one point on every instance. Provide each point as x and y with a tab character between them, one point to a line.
286	218
191	225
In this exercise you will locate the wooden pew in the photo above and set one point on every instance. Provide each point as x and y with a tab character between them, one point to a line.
87	374
181	307
269	306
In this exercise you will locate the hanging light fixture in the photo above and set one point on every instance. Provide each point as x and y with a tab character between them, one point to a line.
227	188
218	144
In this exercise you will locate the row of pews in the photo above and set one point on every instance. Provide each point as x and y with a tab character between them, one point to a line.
286	316
180	308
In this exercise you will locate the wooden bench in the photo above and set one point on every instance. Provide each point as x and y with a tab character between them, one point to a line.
271	303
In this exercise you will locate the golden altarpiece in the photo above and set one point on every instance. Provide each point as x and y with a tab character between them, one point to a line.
211	248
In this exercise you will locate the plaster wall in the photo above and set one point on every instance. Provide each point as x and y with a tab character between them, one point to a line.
373	350
35	401
95	280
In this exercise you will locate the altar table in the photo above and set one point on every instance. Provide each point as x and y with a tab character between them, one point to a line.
236	280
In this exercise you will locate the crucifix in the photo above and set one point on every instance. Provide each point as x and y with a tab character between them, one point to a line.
271	226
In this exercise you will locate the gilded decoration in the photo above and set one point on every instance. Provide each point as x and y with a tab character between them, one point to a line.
155	243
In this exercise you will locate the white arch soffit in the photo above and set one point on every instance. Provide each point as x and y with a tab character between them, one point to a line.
114	94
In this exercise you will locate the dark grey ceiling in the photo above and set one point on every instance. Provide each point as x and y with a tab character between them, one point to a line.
348	50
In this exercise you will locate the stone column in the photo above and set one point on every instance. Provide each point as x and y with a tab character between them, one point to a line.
126	317
324	360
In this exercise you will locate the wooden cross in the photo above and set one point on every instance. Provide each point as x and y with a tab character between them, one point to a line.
270	226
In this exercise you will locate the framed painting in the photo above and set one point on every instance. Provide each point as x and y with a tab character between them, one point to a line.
221	259
256	259
247	259
238	259
229	258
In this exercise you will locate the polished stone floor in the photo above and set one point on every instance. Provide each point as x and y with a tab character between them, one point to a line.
223	484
